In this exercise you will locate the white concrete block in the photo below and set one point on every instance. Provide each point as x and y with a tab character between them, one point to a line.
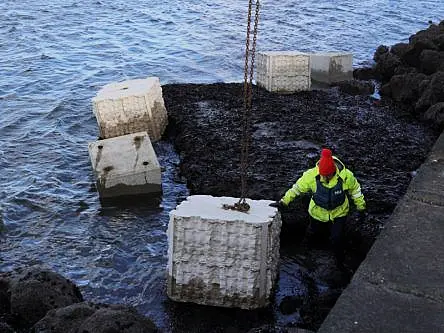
283	71
125	165
130	107
331	67
223	257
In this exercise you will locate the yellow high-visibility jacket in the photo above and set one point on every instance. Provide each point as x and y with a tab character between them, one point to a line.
307	183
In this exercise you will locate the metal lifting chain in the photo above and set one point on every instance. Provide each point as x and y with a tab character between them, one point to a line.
242	205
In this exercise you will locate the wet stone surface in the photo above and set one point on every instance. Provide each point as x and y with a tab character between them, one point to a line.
382	144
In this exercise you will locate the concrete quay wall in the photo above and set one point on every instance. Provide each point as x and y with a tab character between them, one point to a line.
399	287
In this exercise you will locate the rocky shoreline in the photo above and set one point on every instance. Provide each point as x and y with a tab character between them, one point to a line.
381	141
412	74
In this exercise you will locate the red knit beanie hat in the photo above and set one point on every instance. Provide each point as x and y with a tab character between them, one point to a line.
326	164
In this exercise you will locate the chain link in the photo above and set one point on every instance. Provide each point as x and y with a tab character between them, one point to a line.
248	94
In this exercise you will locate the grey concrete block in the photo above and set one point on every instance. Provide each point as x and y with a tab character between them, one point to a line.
223	257
129	107
125	165
331	67
283	71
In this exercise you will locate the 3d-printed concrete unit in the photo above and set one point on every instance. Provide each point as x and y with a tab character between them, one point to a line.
126	165
331	67
223	257
129	107
283	71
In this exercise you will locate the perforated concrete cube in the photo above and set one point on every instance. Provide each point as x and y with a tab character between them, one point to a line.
283	71
125	165
129	107
331	67
223	257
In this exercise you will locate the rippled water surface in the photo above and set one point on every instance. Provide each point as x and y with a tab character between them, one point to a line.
55	55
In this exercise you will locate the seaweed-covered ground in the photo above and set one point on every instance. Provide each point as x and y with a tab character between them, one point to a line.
382	144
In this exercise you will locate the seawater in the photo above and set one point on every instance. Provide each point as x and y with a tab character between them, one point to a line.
56	55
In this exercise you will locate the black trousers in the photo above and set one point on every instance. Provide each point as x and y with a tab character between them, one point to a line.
335	232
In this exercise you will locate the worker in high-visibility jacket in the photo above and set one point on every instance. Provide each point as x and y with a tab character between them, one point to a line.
330	184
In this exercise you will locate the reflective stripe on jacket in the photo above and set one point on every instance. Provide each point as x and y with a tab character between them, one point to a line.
307	183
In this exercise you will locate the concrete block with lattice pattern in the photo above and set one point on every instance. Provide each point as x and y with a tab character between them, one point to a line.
131	106
125	165
331	67
283	71
223	257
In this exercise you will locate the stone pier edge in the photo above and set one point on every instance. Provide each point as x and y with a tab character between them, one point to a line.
399	287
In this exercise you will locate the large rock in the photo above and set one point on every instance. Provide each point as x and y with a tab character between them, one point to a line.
380	51
431	61
433	93
94	318
400	49
117	319
411	57
431	33
356	87
406	88
66	319
435	114
439	42
364	73
34	291
411	74
387	65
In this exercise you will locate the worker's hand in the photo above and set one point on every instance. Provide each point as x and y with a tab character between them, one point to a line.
277	204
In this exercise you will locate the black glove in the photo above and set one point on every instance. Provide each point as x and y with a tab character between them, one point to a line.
277	204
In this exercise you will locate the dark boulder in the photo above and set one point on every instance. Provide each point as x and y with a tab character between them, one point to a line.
411	57
387	65
433	93
364	73
401	70
431	61
356	87
435	114
400	49
411	74
380	51
430	33
439	42
119	319
66	319
94	318
406	88
34	291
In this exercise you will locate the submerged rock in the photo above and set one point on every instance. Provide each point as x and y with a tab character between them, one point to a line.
94	318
